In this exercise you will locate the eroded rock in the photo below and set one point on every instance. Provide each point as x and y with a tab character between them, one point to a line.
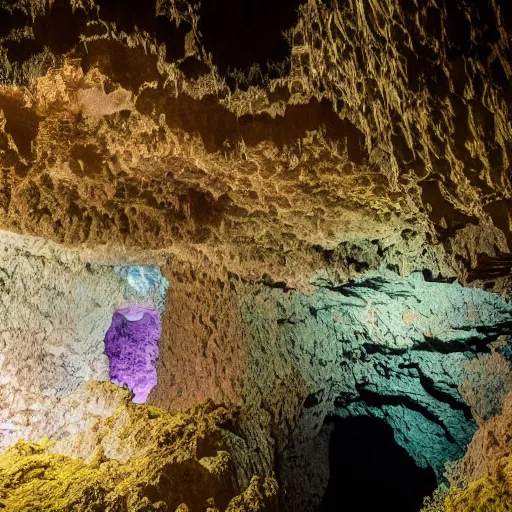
137	458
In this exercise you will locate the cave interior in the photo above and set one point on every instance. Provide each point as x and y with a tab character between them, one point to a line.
255	256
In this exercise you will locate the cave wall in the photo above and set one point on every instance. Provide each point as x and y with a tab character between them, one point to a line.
135	458
56	309
391	348
291	202
55	313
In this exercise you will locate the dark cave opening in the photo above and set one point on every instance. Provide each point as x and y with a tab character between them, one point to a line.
370	470
242	33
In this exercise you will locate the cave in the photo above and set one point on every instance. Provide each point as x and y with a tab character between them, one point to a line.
131	344
370	471
255	256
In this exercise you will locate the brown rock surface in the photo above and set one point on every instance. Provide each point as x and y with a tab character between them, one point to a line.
373	118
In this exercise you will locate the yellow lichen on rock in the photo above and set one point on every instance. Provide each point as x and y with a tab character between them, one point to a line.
140	458
491	493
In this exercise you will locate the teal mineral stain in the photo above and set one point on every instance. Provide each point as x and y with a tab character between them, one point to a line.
382	346
144	282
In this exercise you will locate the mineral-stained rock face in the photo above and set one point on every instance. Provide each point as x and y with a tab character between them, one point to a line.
55	313
139	458
312	197
131	344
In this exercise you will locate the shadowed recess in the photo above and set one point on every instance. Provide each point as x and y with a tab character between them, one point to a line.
369	469
240	34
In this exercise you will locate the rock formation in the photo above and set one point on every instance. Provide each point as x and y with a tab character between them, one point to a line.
136	459
304	203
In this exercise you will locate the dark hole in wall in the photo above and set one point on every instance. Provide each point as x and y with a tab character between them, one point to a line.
58	27
21	123
240	33
129	15
370	471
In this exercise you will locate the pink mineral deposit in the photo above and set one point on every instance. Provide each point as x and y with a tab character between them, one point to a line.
131	344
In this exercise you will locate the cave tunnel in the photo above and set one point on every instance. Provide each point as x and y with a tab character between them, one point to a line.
131	342
370	471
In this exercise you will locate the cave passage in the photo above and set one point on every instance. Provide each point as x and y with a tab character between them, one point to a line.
369	471
131	344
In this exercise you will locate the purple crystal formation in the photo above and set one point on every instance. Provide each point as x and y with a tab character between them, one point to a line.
131	344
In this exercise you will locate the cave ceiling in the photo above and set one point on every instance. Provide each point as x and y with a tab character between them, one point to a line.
274	140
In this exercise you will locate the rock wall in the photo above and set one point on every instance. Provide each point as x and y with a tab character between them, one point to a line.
311	195
138	458
481	479
56	310
381	346
148	128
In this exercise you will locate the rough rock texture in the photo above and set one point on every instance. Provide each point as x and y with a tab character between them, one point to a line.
55	312
138	459
170	125
393	348
480	481
383	346
311	196
485	473
490	444
145	286
131	344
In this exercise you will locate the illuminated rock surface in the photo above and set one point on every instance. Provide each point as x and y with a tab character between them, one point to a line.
131	344
139	458
371	121
314	199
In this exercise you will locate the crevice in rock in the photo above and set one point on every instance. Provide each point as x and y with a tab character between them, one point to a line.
374	399
429	385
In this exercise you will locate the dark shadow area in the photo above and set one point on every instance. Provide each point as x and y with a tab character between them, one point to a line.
369	471
129	67
240	33
217	125
131	15
21	123
444	215
57	28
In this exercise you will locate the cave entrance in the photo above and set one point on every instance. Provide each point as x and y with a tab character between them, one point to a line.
368	468
131	344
